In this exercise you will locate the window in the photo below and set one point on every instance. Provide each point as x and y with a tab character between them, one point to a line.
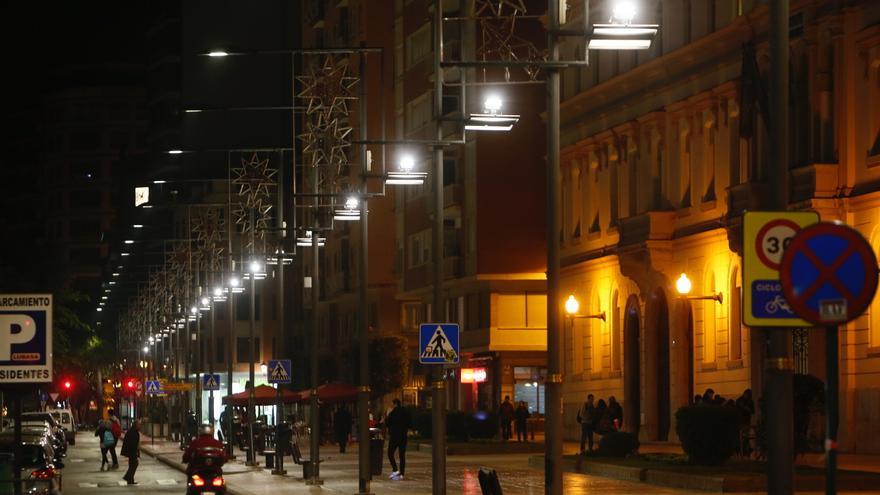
220	351
734	318
412	315
418	113
684	163
450	171
874	332
520	311
418	45
242	350
597	340
243	307
576	195
709	333
616	339
420	248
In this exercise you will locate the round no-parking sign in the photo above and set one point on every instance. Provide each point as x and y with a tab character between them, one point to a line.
828	274
772	240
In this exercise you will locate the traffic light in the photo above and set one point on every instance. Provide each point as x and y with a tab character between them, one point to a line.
130	384
67	384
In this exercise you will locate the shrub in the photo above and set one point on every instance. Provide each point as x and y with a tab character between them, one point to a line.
708	434
618	444
483	424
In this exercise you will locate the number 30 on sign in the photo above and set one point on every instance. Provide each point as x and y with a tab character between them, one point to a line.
766	235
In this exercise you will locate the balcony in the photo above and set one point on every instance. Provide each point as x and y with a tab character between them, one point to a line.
818	180
650	226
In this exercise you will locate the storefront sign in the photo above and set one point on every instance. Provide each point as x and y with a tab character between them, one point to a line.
473	375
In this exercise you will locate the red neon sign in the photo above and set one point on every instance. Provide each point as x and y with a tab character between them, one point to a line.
473	375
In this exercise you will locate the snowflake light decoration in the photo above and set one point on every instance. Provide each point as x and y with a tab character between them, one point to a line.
254	178
328	88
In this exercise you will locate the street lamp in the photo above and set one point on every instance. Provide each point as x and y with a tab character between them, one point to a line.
406	176
620	33
349	211
572	306
491	119
218	53
683	286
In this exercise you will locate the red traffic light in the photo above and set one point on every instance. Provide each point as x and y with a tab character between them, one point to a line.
67	384
130	384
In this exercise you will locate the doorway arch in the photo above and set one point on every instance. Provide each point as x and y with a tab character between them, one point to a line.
632	369
662	368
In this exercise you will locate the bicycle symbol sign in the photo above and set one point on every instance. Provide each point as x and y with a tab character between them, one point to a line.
766	237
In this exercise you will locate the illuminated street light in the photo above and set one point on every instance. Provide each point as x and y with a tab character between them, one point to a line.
205	301
306	240
129	241
146	349
138	226
624	12
683	285
572	305
491	119
174	152
349	211
218	53
406	176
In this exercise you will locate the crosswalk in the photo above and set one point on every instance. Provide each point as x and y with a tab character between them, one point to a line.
114	484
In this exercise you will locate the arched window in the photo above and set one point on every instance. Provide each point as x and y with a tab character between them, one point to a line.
616	340
874	332
597	337
709	336
734	318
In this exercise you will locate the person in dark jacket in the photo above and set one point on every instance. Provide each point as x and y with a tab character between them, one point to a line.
131	449
585	417
342	427
521	414
505	415
616	412
398	424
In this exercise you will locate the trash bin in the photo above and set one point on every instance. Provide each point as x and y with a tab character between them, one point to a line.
377	446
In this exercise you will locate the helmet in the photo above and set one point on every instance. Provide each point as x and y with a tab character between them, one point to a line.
206	429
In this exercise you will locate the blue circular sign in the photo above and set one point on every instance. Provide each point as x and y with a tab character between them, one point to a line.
828	274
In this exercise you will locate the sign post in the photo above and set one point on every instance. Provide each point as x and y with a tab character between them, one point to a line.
25	354
829	277
766	235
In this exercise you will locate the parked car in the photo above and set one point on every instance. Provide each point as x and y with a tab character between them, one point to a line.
38	433
55	432
65	418
39	467
47	417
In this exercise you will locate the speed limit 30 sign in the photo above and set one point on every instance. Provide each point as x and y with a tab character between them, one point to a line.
766	234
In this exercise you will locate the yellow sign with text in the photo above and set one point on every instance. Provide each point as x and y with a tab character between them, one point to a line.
766	234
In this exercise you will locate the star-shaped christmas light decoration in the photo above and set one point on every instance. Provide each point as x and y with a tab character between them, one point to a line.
254	178
261	219
326	142
208	226
497	7
328	88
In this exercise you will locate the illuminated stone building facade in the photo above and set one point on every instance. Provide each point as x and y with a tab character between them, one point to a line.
661	152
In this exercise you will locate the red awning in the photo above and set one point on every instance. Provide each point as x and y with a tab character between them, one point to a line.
264	395
332	392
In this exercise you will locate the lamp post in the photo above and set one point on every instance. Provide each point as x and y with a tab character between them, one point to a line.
683	286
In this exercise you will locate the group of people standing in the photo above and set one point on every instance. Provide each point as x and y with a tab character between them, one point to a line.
109	432
508	414
598	417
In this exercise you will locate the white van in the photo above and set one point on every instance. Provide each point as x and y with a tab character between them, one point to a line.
64	417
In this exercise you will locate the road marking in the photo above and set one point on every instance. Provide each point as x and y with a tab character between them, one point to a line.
88	485
77	460
166	482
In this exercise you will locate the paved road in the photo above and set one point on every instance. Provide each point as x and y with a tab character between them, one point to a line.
82	474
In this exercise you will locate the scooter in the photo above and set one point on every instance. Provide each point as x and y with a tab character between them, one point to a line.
205	473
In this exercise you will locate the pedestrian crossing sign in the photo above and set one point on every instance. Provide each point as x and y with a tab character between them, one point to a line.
438	343
211	382
153	387
279	371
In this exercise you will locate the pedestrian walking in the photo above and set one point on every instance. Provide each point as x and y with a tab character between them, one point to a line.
521	415
397	423
342	427
585	417
116	428
131	449
506	415
616	412
106	440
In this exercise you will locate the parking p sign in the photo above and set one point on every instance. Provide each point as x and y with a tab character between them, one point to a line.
25	338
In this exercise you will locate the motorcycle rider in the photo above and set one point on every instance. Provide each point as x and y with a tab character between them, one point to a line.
205	443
